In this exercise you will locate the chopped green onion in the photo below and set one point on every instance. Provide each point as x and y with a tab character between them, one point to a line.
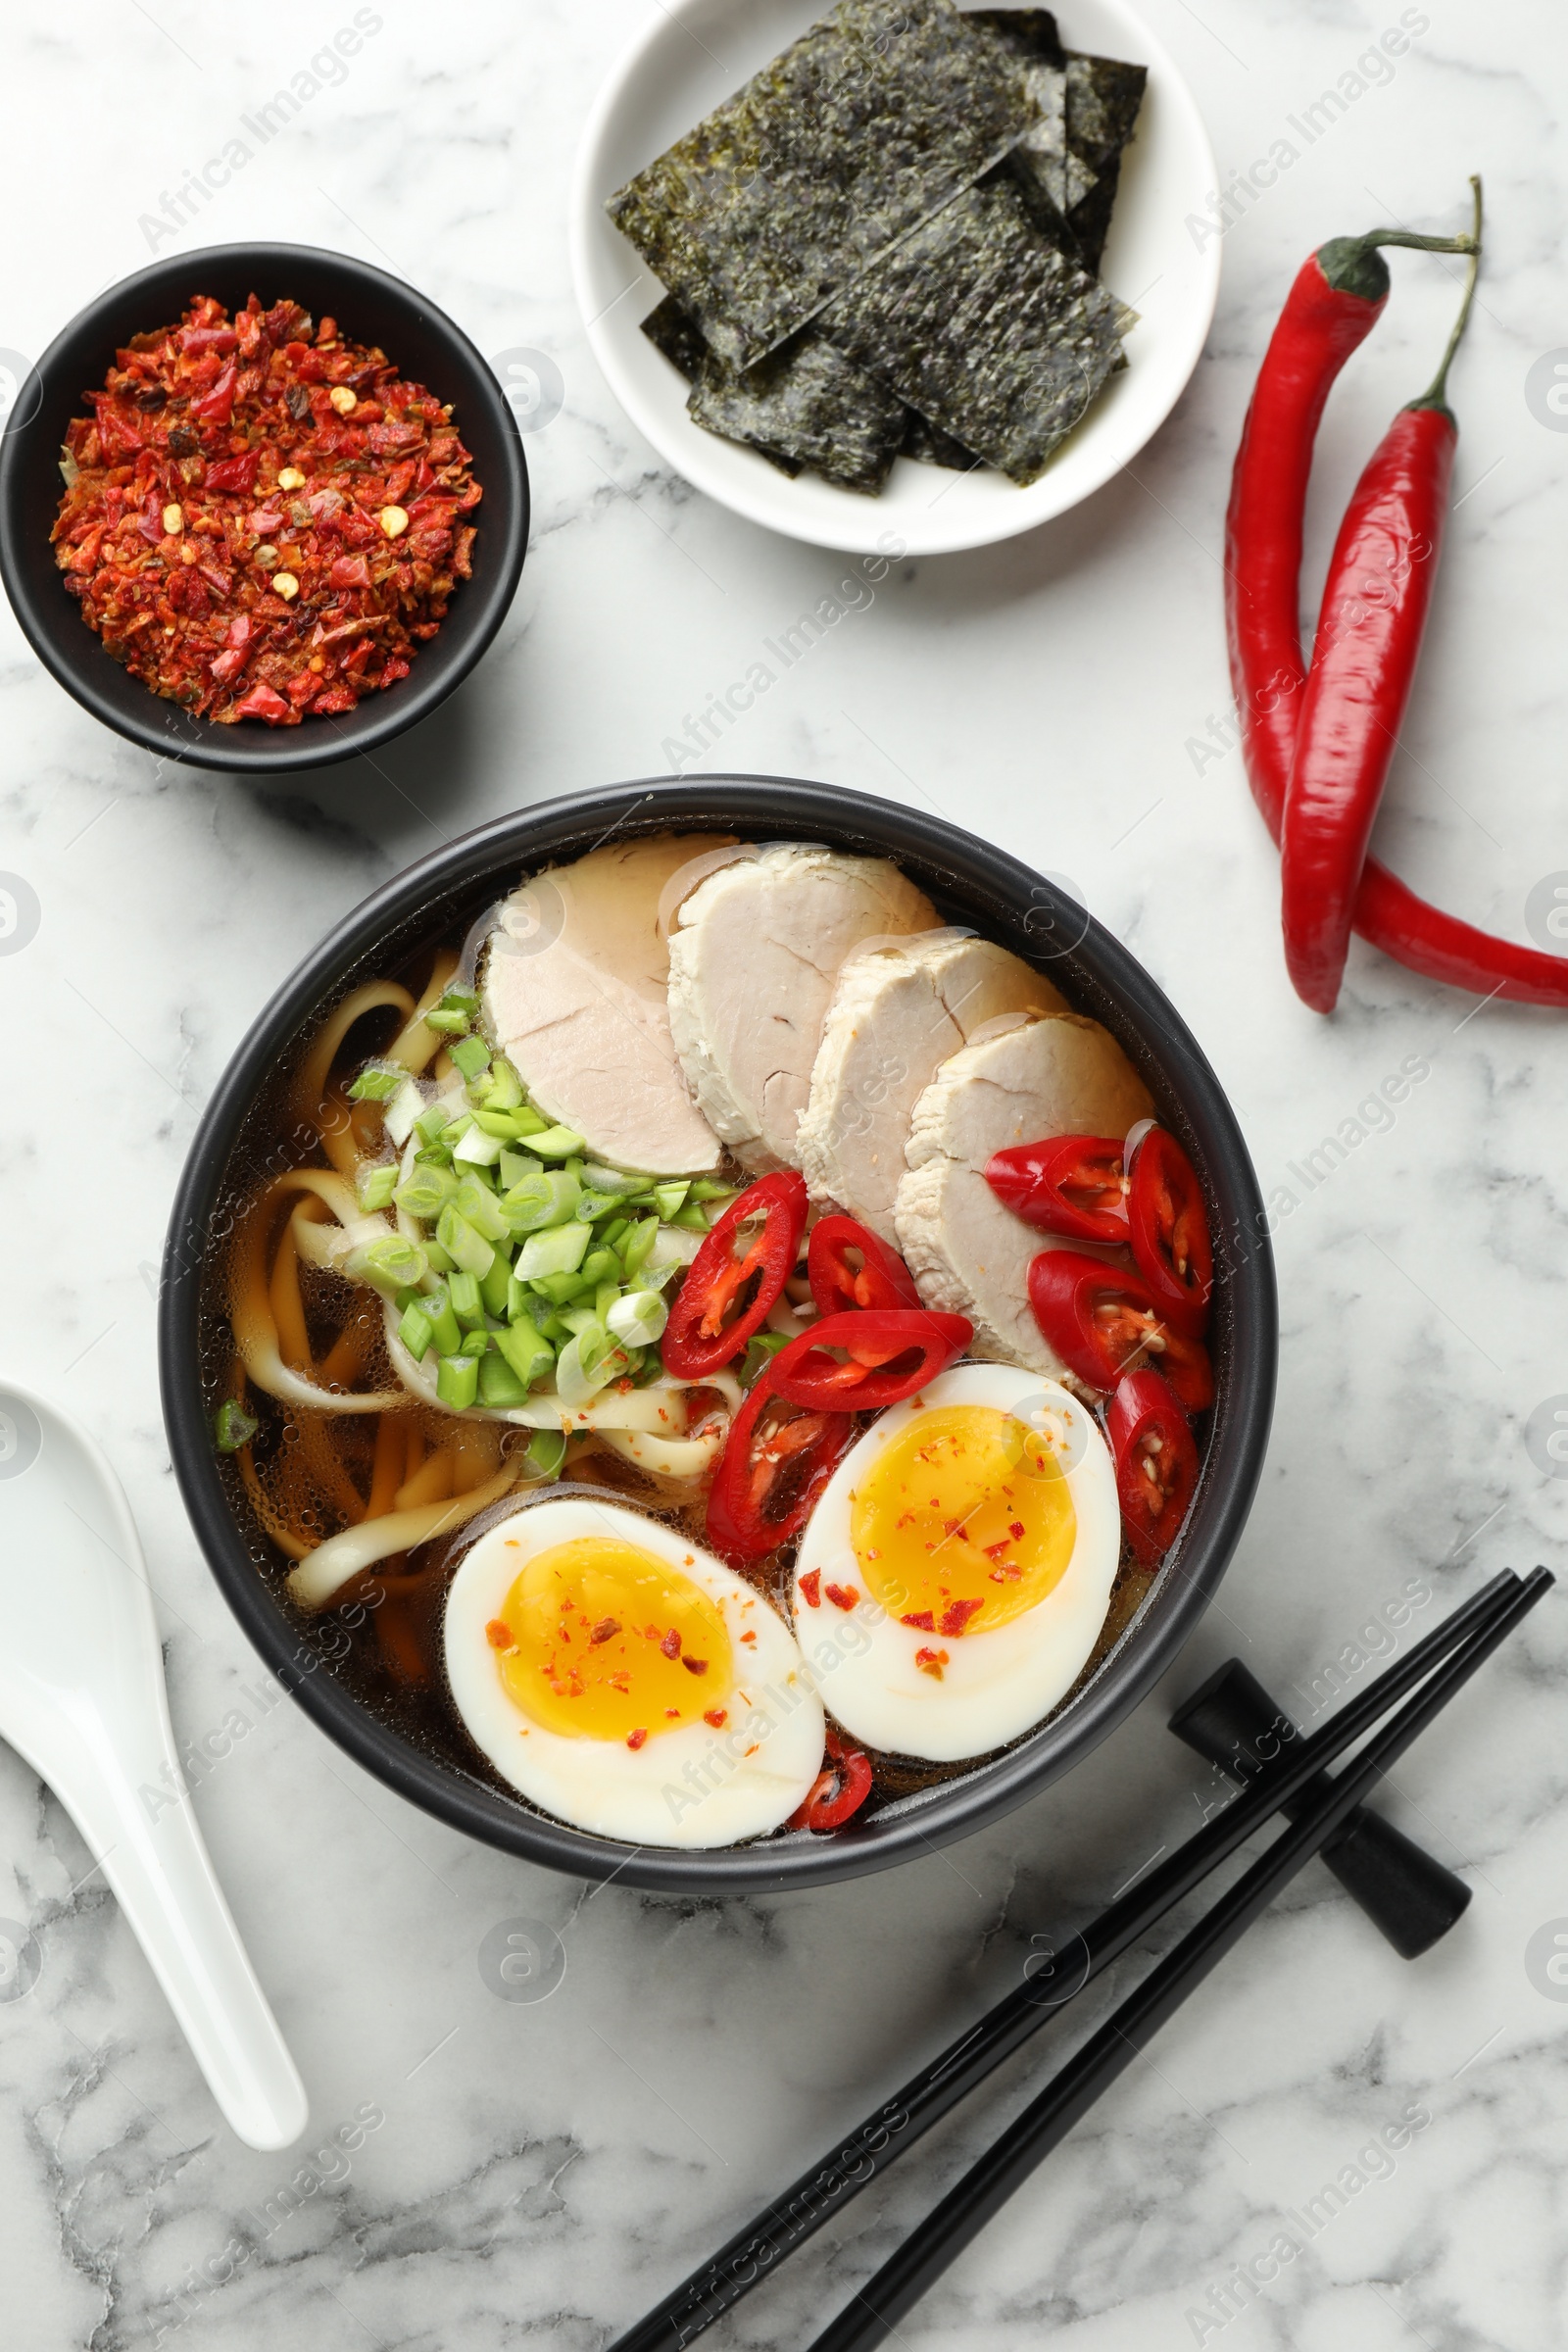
232	1426
495	1288
429	1125
578	1319
387	1266
618	1232
530	1121
599	1204
547	1450
638	1319
548	1198
601	1265
526	1350
515	1165
606	1294
559	1288
447	1023
425	1192
505	1086
475	1200
456	1380
499	1385
611	1180
441	1261
375	1185
377	1082
476	1147
416	1331
471	1054
587	1363
693	1218
557	1251
399	1115
475	1341
761	1349
469	1249
501	1125
461	998
444	1326
467	1305
555	1143
708	1188
638	1242
670	1198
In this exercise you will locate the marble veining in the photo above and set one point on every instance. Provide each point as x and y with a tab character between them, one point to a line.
488	2172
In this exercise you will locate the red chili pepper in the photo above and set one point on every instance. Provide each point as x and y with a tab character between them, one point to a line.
838	1281
1169	1227
236	474
216	406
879	1344
837	1793
776	1462
1074	1185
1104	1322
713	1316
1337	298
1369	632
1156	1462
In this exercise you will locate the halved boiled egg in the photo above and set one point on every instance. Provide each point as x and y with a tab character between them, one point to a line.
954	1575
628	1681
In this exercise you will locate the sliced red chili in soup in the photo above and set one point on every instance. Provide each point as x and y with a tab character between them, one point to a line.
1169	1227
1105	1321
1074	1185
775	1463
876	1356
1156	1462
736	1277
850	1266
837	1793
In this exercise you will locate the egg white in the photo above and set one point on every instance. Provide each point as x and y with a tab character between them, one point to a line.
996	1684
690	1786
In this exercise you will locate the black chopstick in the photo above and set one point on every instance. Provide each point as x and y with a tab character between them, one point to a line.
828	2186
944	2234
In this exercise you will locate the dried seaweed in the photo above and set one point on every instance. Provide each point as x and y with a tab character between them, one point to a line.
669	331
929	445
809	404
1103	96
983	328
855	134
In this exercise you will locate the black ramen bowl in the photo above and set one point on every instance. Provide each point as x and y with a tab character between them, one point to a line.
373	308
970	882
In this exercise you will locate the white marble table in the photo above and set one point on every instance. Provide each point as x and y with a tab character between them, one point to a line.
534	2173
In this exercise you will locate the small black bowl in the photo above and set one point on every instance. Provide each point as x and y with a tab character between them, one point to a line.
373	308
970	882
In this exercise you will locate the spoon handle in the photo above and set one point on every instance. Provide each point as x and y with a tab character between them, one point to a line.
151	1852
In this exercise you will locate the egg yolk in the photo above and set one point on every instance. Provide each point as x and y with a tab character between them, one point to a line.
964	1521
600	1640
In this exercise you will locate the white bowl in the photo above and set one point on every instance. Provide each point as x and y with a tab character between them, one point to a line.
696	52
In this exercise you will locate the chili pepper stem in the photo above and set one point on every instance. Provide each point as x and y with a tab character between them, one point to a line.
1436	396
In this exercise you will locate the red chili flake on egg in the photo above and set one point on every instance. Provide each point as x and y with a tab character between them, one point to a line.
811	1588
670	1644
931	1662
498	1634
747	1636
606	1629
695	1665
716	1716
957	1615
1015	1531
922	1621
635	1739
843	1597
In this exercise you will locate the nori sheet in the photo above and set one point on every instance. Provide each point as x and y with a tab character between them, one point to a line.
669	331
983	328
1103	96
855	133
809	403
929	445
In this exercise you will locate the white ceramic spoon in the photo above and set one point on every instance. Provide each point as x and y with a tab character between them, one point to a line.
82	1699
